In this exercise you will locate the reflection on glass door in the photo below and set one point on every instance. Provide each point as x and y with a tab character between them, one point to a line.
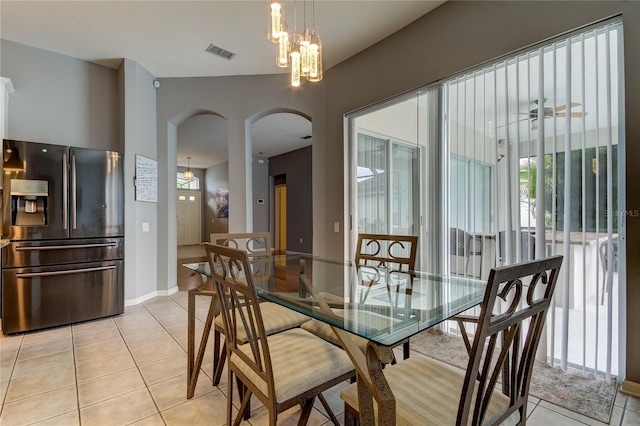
387	192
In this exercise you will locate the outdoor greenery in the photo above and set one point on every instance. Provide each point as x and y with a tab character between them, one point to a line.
592	165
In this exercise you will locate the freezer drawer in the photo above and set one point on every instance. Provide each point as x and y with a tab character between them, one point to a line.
57	252
35	298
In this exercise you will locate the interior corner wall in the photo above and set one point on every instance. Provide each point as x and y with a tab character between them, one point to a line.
59	99
459	35
139	129
297	166
215	177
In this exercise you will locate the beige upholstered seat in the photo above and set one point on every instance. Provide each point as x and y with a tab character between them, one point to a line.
276	318
377	257
426	391
324	331
282	370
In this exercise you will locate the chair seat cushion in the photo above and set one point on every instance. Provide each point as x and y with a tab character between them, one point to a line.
324	331
276	319
427	392
300	360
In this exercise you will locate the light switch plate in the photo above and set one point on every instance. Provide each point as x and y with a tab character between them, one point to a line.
145	227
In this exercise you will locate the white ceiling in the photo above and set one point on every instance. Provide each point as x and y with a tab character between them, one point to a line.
169	38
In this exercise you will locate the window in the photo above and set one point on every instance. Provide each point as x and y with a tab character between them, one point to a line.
183	183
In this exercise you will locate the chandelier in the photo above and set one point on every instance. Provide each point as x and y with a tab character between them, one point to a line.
188	174
300	51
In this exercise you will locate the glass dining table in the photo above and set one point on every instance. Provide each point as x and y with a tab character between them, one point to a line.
392	307
383	306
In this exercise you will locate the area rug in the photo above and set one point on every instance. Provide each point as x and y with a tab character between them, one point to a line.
571	389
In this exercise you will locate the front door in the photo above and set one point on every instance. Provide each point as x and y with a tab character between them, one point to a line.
188	212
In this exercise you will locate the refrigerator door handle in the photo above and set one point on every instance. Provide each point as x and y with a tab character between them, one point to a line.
74	246
73	192
67	272
65	191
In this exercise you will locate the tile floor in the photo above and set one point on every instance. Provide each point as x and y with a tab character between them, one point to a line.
131	369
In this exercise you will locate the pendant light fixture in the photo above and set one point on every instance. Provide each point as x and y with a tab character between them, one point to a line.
295	60
301	51
188	174
275	21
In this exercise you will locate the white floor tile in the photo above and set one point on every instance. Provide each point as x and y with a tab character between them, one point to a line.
131	369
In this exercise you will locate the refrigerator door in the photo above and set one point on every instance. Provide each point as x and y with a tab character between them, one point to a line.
34	198
96	198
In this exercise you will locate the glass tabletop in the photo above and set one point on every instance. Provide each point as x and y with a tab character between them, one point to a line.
378	304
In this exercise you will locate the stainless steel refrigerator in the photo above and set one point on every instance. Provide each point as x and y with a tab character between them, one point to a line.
63	210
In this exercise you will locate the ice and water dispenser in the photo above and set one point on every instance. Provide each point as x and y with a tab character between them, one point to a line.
29	200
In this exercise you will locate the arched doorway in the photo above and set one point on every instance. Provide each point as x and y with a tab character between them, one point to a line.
281	146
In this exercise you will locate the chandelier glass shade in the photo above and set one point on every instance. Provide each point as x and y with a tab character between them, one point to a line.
300	51
275	21
188	174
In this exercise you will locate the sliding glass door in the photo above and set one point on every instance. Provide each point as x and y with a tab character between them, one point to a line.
516	160
546	122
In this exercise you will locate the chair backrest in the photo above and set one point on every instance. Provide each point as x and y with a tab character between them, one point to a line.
394	252
241	309
499	351
257	245
254	243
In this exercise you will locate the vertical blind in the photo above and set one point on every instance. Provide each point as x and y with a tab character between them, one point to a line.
533	146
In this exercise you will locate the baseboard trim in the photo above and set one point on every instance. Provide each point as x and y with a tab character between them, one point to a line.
630	388
150	295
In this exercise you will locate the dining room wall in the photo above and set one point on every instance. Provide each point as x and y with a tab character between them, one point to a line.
241	100
59	99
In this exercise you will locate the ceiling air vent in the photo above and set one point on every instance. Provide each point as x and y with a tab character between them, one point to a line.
219	51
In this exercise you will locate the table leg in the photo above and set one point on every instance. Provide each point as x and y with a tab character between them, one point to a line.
369	378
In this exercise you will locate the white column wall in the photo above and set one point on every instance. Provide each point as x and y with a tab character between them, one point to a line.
139	135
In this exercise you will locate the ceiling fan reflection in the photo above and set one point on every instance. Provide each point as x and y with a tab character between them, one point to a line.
550	112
